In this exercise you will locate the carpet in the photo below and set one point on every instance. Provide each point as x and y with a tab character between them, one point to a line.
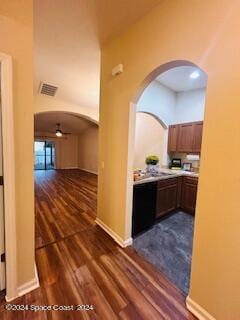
168	246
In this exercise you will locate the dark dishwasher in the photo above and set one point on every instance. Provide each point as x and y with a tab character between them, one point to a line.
144	206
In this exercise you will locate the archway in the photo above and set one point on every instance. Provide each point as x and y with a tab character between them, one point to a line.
154	142
195	73
65	173
73	127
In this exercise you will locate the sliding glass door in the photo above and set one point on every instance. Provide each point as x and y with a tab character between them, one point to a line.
44	155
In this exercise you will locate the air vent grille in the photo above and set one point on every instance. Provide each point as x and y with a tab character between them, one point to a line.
48	89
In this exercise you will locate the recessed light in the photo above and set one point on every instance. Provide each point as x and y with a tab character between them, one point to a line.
195	75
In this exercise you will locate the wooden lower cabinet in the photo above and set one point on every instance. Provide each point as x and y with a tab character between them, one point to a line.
167	195
188	194
176	193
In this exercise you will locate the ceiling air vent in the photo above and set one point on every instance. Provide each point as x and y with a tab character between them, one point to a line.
47	89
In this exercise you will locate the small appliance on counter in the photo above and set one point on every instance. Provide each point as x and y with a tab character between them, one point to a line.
176	164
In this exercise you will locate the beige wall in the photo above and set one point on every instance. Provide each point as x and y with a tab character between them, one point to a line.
16	40
66	149
88	149
75	151
45	104
149	139
67	152
204	32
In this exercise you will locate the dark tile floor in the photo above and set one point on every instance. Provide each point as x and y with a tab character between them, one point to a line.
168	246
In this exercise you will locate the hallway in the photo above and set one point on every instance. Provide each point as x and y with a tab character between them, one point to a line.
80	264
65	203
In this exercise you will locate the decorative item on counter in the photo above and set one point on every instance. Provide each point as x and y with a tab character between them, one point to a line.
187	166
151	162
138	174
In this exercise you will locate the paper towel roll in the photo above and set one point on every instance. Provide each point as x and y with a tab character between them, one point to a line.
193	157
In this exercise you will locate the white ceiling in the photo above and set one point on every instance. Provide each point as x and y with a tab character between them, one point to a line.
46	122
67	37
178	79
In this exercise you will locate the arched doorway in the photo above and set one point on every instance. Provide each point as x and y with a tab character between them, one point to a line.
61	152
154	142
175	93
66	168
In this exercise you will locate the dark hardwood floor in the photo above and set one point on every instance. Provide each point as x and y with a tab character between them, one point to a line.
79	264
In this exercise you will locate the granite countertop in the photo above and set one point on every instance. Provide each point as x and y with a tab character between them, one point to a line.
172	174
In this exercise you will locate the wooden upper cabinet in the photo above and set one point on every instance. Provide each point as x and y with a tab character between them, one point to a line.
185	141
197	137
173	138
185	137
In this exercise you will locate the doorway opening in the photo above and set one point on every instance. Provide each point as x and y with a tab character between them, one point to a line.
67	143
44	152
166	161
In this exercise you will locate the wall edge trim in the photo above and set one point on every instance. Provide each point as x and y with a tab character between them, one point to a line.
8	150
122	243
197	310
67	168
90	171
26	287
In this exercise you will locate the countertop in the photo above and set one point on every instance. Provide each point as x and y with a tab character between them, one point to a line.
173	174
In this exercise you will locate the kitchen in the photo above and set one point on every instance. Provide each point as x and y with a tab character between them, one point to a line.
165	184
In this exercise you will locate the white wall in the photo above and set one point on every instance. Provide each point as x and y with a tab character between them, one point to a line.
190	106
172	107
158	100
88	149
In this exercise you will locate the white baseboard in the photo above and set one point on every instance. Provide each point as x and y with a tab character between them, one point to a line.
90	171
67	168
26	287
197	310
122	243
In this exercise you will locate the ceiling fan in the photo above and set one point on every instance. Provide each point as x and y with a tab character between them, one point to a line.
59	132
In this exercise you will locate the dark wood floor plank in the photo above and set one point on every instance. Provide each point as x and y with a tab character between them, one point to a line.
169	296
111	291
130	313
78	263
141	304
93	294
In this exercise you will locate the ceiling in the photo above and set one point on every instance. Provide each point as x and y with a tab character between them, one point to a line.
67	40
66	50
46	122
178	79
113	16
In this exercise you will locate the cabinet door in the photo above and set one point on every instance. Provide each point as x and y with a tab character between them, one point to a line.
197	136
166	199
189	194
185	141
173	138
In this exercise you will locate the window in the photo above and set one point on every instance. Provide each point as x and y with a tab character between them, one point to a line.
44	155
